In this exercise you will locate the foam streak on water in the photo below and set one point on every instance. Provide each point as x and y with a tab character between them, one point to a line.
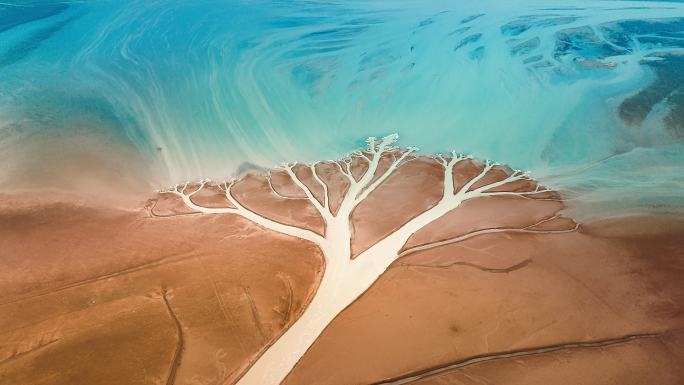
201	87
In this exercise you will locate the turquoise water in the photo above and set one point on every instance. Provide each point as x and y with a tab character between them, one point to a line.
589	96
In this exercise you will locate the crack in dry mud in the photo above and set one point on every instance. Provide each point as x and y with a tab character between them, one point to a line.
175	363
255	314
530	229
509	269
158	262
512	354
150	210
16	356
288	308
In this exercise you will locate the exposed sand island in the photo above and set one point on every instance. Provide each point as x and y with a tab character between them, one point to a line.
440	270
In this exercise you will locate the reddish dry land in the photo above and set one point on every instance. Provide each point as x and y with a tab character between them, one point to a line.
156	294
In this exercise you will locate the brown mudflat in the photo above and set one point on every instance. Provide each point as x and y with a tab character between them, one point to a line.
94	296
615	284
157	294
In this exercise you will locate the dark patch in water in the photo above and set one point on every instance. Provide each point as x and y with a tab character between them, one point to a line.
525	47
304	52
11	16
515	28
668	86
674	120
477	53
640	27
377	74
661	41
533	59
669	69
310	75
613	35
362	21
626	8
28	45
376	59
299	21
458	31
621	33
327	40
563	9
324	43
584	42
426	22
471	18
468	40
676	35
524	23
542	64
335	33
583	62
408	67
